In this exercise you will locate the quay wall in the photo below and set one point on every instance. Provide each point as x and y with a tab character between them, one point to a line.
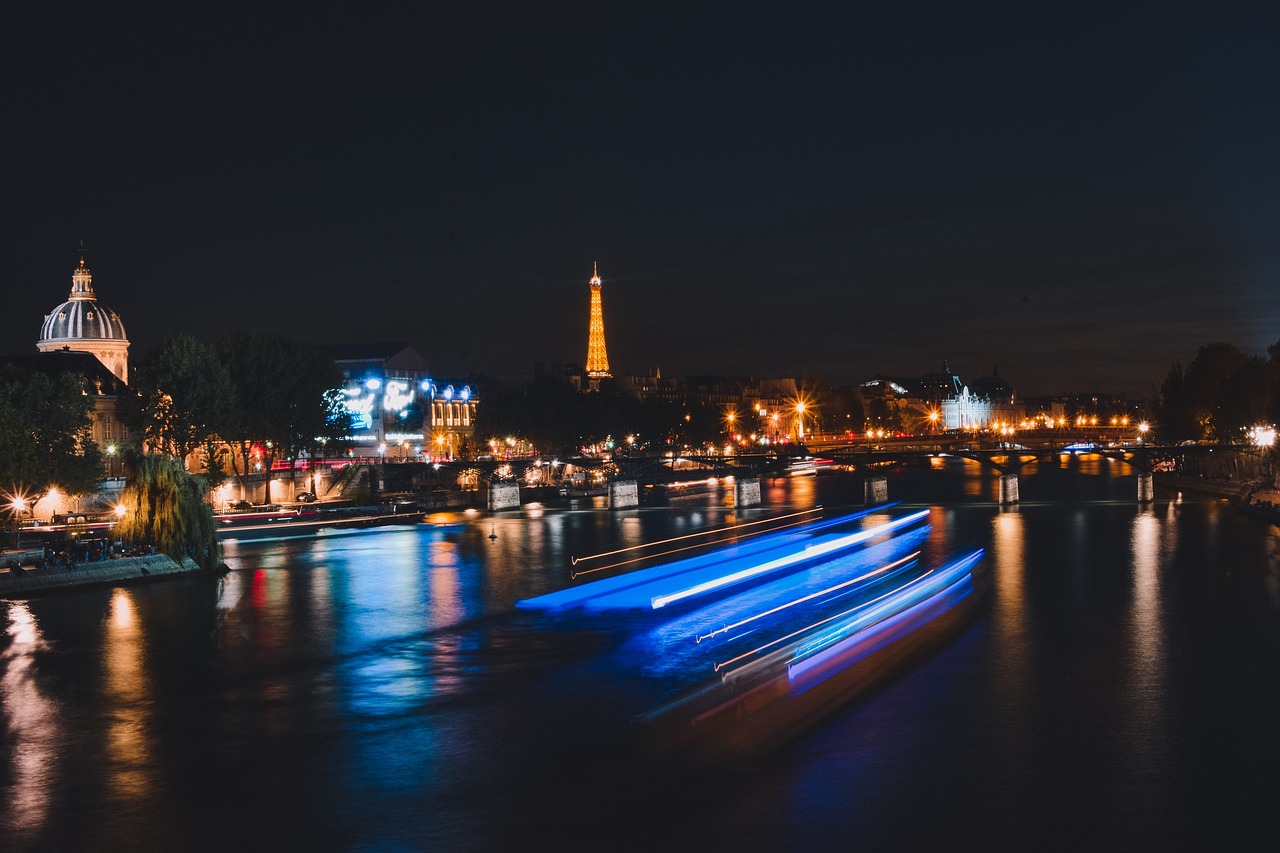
36	581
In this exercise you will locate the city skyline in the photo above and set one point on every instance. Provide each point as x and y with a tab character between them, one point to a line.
1077	200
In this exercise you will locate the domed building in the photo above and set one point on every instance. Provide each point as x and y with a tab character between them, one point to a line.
83	324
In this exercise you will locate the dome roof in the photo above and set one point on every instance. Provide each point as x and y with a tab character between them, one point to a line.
82	317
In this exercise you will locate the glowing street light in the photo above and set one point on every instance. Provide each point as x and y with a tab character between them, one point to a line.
1263	436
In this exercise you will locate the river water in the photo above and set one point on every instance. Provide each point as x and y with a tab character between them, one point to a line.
1119	687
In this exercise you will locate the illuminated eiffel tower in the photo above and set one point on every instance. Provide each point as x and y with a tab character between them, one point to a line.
597	358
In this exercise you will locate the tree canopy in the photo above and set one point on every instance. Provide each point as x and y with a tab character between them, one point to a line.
165	507
286	398
1219	395
182	396
46	436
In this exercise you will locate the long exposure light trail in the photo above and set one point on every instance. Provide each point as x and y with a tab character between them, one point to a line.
921	587
809	553
641	559
575	560
802	631
946	588
634	589
887	568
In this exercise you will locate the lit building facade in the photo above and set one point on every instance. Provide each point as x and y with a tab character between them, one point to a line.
83	336
597	356
398	410
83	324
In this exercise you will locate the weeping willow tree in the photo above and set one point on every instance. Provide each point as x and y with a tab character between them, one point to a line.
164	506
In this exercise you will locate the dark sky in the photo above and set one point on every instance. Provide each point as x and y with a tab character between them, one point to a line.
1078	197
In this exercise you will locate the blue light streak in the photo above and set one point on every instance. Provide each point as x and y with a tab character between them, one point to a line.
858	617
910	558
609	593
818	659
826	548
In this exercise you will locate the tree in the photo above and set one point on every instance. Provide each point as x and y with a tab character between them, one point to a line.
287	399
1206	378
1172	409
46	436
1246	399
165	507
182	396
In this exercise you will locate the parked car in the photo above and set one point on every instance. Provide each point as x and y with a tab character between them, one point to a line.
239	505
305	497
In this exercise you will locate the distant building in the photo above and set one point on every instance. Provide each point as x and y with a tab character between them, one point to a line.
103	386
597	356
940	398
85	337
398	410
83	324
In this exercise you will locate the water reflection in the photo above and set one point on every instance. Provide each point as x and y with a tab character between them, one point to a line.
1146	698
375	690
126	701
1008	550
32	728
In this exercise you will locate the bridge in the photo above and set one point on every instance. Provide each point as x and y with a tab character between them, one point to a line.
1007	457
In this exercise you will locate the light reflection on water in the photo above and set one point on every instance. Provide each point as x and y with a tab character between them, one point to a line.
376	690
126	695
33	731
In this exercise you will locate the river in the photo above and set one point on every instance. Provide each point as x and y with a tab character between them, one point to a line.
1119	687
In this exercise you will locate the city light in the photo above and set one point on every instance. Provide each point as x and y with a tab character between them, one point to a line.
120	510
1263	436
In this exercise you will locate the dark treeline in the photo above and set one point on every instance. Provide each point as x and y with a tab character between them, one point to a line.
249	399
1219	396
555	417
45	436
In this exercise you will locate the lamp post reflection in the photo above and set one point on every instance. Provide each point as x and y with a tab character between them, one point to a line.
33	726
125	694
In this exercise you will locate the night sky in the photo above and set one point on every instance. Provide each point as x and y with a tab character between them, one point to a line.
1077	197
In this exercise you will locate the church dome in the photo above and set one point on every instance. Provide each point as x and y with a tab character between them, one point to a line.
82	317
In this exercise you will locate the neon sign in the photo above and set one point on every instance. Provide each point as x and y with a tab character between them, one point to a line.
398	395
360	406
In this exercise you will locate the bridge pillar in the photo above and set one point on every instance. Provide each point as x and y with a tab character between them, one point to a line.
1146	489
875	490
1008	489
623	494
504	496
746	492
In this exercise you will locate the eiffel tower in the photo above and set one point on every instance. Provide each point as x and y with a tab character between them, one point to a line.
597	358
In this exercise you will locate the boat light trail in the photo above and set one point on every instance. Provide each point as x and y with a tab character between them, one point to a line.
802	631
575	560
576	575
809	553
811	596
921	587
946	588
627	591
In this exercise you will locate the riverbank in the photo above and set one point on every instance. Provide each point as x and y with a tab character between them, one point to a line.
1229	489
32	580
1261	502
